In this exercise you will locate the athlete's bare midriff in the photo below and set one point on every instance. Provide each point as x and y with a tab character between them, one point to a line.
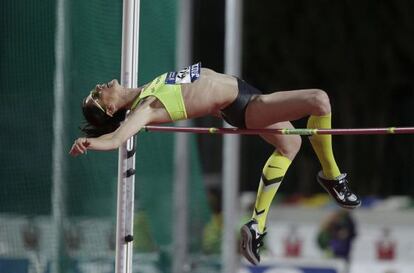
209	94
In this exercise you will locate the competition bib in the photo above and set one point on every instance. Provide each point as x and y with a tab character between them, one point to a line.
187	75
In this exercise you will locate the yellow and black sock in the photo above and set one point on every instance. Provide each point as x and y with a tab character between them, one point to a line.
273	173
322	145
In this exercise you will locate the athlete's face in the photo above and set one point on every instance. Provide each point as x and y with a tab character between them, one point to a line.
108	91
105	95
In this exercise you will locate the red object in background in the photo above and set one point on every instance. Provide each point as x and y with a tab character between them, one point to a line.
293	246
386	246
385	250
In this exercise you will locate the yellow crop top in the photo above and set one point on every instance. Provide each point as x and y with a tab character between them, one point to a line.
167	89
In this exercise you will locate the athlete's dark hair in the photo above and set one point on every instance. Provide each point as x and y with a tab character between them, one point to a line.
98	122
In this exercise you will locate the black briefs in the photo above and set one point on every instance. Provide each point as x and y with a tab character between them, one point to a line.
234	113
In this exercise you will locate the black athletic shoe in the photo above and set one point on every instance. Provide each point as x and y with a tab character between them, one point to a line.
251	240
339	190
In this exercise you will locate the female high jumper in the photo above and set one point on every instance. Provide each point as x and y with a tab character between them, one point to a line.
197	92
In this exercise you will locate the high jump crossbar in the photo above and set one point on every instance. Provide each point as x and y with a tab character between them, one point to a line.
302	132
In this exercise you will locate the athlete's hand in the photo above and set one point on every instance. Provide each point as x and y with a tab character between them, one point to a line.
79	147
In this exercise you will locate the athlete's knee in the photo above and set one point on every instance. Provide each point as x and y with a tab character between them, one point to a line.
320	101
291	147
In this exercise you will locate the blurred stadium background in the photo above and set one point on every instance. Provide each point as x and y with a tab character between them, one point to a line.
361	53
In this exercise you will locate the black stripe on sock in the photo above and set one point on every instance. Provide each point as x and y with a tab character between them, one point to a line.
268	182
258	212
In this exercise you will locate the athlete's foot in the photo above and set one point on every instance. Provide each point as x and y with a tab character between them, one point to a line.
339	190
251	241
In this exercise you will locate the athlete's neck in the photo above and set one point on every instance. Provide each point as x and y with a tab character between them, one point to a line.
128	97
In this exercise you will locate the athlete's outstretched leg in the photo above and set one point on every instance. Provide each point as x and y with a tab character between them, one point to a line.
273	173
292	105
330	177
274	170
272	176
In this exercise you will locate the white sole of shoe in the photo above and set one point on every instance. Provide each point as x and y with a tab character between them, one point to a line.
245	245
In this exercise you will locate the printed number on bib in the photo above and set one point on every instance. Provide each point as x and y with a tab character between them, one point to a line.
187	75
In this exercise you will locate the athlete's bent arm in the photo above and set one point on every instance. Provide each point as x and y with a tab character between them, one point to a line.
135	121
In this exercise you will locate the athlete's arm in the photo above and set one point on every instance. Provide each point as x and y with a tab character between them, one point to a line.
143	115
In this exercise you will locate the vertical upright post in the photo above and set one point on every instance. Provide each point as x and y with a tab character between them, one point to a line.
58	164
126	160
181	154
231	143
